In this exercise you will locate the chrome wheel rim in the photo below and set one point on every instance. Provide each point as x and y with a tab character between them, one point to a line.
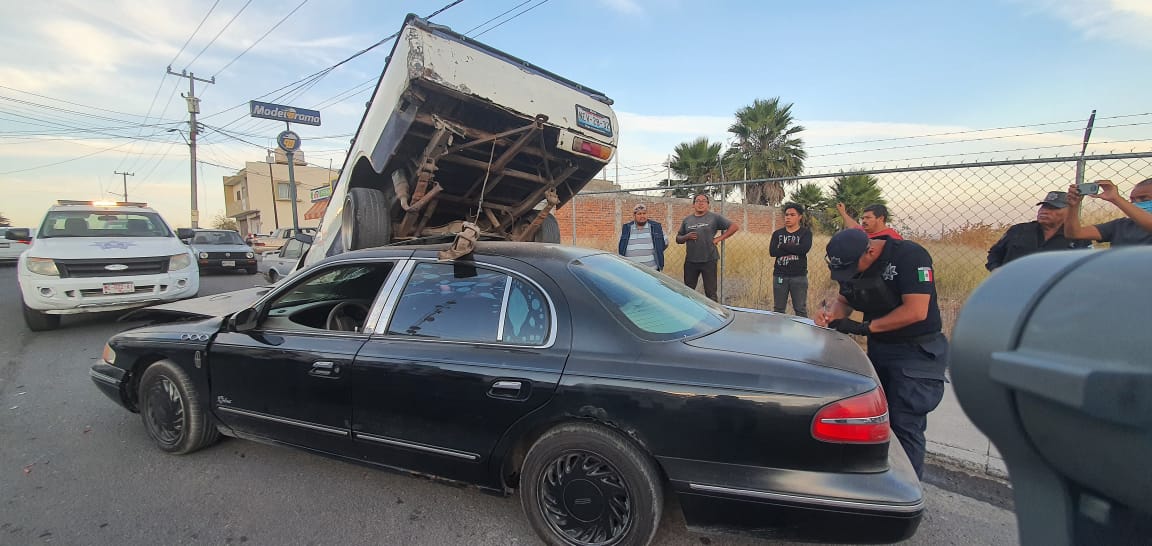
165	412
585	499
347	223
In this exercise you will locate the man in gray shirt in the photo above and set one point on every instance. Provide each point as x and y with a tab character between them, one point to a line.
698	234
1134	229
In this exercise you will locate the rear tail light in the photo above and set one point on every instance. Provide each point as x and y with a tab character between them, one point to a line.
591	148
861	419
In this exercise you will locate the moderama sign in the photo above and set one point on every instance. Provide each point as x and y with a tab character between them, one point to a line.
280	112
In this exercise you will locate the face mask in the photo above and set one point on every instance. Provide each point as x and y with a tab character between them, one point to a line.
1146	206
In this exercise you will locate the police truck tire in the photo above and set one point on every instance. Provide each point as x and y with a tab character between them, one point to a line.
549	231
39	322
366	221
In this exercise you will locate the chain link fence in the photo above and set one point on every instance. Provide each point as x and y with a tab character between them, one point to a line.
955	211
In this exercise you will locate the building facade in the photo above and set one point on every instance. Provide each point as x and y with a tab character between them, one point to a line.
258	196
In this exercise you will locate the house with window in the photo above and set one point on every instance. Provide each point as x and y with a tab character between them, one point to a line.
258	196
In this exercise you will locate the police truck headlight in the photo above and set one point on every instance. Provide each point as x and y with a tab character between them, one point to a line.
179	261
43	266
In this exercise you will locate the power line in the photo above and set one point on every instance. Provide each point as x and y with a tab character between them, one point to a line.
69	160
261	38
217	36
193	35
542	2
505	12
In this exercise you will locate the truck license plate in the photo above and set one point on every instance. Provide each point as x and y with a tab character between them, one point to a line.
228	263
593	120
119	288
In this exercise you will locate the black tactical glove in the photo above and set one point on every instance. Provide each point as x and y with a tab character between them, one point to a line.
849	326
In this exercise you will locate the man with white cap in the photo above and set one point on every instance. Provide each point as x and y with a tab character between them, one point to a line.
893	284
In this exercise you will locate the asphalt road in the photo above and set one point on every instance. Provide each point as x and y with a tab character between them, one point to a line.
75	468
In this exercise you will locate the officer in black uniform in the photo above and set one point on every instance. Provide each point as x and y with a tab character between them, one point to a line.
893	284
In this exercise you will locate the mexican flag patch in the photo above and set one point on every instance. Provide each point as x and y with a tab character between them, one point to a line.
925	274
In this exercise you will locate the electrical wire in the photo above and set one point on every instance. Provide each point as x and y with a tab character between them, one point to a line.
217	36
194	32
541	3
261	38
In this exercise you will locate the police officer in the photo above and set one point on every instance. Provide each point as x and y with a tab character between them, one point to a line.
893	284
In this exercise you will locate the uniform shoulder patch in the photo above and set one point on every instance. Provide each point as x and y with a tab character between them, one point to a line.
925	274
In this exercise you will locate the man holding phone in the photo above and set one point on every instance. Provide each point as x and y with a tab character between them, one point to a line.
1134	229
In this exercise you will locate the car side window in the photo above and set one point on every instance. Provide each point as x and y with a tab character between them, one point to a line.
311	302
292	249
444	302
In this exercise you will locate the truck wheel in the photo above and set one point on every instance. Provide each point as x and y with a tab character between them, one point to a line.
549	231
366	220
583	484
39	322
172	411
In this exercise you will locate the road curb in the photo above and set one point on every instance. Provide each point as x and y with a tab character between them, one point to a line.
961	478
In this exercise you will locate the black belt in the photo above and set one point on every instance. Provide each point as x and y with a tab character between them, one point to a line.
913	339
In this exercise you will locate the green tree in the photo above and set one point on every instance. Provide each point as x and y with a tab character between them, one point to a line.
224	222
768	146
694	162
811	197
857	191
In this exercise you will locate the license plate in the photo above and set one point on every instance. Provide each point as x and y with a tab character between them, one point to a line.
593	120
119	288
228	263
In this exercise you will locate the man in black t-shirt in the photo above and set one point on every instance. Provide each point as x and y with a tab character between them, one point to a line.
1044	234
790	245
893	284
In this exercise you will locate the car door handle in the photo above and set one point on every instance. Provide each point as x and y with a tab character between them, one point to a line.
507	389
324	368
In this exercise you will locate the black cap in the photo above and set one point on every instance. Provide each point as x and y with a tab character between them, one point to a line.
844	251
1058	199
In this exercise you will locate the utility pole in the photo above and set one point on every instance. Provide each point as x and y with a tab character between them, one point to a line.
125	176
193	109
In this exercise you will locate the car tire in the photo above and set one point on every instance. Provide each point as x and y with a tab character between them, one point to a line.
619	486
366	220
39	322
249	270
172	411
549	231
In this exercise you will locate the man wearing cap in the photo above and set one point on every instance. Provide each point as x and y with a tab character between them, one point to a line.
698	233
893	284
1044	234
642	240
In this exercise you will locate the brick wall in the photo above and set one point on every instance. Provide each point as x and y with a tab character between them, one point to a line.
599	216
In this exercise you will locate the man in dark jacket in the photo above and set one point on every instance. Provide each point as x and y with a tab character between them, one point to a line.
642	240
1044	234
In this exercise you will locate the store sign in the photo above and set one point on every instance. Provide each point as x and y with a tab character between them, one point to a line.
279	112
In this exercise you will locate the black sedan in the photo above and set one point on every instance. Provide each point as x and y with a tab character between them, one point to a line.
594	386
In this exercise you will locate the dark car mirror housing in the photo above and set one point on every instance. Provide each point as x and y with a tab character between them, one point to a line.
244	320
303	238
18	234
1049	360
185	233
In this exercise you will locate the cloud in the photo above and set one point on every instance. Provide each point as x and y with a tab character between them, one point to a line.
628	7
1121	20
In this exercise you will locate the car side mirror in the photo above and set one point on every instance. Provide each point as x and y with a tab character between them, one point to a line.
244	320
185	233
303	238
18	234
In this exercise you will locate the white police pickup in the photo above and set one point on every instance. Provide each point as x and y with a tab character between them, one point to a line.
102	256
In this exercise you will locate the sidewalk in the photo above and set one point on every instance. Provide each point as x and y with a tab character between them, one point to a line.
951	436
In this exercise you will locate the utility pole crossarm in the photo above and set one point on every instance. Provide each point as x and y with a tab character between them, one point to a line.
125	176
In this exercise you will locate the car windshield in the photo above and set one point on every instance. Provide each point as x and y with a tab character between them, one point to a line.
652	305
217	238
98	223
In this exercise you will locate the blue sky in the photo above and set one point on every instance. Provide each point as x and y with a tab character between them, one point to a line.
677	70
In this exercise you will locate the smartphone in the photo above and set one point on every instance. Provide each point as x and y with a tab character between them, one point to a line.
1089	188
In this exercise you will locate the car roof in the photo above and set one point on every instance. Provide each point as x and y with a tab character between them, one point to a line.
528	252
100	208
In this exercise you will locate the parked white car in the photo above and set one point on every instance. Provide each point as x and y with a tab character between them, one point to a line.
277	265
100	256
11	249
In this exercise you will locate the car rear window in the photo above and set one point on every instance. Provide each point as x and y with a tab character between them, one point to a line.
652	305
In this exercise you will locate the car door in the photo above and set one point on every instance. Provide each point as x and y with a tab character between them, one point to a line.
465	352
287	378
285	260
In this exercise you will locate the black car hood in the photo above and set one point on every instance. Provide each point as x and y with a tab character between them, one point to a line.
216	305
764	333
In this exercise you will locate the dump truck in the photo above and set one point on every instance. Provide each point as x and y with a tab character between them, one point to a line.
456	133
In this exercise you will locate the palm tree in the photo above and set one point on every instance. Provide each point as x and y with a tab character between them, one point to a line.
811	197
857	191
768	146
695	162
